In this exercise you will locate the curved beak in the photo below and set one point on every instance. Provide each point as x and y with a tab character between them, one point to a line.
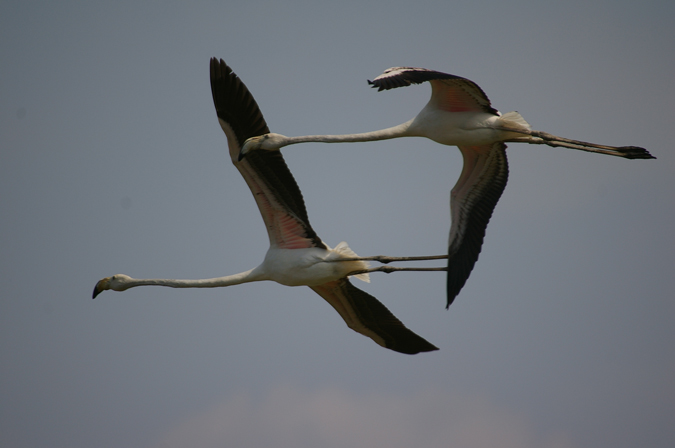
101	286
246	147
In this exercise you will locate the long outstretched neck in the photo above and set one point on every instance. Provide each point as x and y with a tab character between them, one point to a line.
216	282
121	282
402	130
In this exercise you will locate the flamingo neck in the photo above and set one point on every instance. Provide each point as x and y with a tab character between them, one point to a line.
402	130
251	275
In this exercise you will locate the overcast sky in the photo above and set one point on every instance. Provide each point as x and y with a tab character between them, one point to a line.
112	161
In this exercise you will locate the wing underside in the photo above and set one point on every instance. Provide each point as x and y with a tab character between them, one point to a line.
266	173
472	201
365	314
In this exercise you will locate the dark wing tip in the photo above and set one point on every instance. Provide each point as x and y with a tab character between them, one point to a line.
422	346
378	319
378	85
234	103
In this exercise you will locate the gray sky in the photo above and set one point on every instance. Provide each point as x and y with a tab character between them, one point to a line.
112	161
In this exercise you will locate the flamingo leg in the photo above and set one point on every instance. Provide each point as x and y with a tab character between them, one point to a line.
544	138
384	259
390	269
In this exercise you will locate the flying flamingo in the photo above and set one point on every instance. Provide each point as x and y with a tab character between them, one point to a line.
296	256
458	114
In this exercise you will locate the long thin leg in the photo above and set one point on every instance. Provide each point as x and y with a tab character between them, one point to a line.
390	269
385	259
544	138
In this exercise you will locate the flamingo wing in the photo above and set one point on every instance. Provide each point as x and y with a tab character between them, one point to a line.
365	314
275	191
448	92
283	210
472	202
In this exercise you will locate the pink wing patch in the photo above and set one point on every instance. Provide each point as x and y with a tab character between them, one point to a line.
456	96
284	229
289	233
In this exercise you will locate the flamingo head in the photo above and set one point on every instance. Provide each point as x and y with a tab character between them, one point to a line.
269	142
117	282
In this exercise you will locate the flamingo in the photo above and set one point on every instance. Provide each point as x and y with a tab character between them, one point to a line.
297	256
458	114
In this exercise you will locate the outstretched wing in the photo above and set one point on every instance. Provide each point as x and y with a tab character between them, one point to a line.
364	314
483	177
272	184
283	210
448	92
472	202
